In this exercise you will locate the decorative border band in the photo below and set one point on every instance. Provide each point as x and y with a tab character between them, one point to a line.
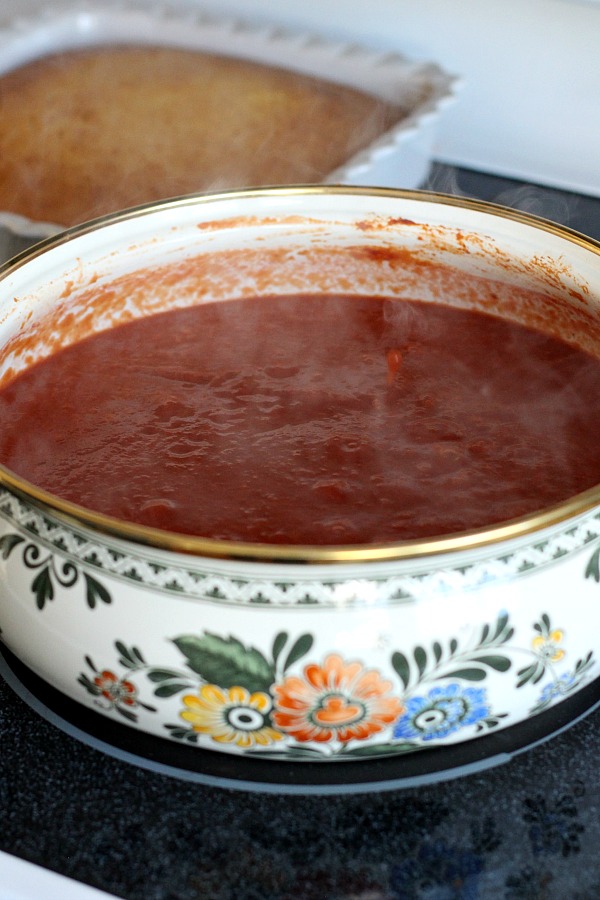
208	584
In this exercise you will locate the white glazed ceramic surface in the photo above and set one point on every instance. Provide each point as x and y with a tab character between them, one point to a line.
297	653
399	158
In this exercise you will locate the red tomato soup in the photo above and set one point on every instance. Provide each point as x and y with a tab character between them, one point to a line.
309	420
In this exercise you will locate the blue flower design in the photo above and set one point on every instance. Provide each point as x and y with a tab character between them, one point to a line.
557	688
444	710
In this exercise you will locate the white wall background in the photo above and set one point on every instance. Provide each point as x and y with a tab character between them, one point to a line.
530	105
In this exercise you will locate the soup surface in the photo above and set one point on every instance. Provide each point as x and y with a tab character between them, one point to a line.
309	420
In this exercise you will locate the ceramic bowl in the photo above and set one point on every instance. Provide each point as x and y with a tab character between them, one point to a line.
244	648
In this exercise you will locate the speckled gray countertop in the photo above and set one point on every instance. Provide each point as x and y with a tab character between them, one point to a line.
525	830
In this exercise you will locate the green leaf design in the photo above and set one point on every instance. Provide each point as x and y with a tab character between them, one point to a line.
468	674
126	713
401	666
42	587
278	645
182	734
299	649
159	675
527	671
490	721
226	662
89	685
94	592
592	570
131	657
8	542
501	623
136	654
532	673
539	675
469	664
501	633
52	568
90	663
582	665
169	689
497	662
420	659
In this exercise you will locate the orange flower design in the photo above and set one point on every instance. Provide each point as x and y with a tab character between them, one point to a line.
339	700
115	690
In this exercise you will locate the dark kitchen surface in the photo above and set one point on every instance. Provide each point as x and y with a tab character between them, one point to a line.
526	829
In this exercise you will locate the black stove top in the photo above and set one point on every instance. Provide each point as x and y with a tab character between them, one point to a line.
524	830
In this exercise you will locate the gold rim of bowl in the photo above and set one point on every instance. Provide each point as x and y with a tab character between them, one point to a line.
78	516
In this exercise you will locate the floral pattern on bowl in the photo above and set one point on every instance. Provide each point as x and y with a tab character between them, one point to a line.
325	709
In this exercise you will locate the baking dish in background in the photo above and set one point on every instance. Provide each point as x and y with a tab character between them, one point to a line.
399	157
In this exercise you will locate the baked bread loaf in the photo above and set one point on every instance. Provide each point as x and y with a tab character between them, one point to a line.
87	132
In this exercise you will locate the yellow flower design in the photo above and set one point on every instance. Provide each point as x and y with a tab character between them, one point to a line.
547	646
230	716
